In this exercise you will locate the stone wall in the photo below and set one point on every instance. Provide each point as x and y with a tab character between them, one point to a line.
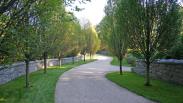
169	70
18	69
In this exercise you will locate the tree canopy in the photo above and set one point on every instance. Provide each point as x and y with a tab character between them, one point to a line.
149	26
40	29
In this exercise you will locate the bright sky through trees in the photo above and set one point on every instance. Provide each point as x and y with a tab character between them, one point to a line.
93	11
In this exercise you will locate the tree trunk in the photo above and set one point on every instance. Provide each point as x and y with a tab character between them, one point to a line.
27	73
148	83
60	61
45	61
120	65
90	56
148	54
84	57
73	60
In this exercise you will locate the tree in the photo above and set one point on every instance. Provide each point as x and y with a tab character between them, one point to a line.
118	39
152	24
74	39
104	30
26	44
11	12
92	42
29	28
95	42
83	41
50	29
61	44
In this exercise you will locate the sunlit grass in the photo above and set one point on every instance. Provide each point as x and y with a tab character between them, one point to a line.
42	86
160	91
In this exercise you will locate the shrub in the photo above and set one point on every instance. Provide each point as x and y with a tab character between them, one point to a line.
161	55
136	53
176	52
131	59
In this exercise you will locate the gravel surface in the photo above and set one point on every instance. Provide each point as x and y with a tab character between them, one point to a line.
87	84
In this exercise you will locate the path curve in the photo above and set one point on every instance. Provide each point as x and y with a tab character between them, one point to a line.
87	84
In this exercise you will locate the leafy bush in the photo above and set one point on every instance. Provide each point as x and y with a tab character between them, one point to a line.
136	53
161	55
176	52
131	59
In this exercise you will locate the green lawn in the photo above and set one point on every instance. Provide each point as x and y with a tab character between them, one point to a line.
116	62
42	86
160	91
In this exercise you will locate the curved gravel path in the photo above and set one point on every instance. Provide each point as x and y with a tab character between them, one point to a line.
87	84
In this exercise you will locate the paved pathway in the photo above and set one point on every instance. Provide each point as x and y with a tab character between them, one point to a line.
87	84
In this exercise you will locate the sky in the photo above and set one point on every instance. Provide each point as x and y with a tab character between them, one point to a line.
93	11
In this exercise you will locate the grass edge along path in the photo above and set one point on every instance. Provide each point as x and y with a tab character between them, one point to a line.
160	91
42	89
115	62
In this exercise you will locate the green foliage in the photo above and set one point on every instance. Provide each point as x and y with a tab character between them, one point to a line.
91	42
43	22
111	30
11	16
160	91
136	53
176	51
150	25
37	29
50	30
131	59
161	55
153	40
74	38
66	42
104	31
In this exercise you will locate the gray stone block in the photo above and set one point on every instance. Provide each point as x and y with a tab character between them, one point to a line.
170	70
18	69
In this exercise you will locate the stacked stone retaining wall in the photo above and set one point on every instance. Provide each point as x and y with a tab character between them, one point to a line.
18	69
169	70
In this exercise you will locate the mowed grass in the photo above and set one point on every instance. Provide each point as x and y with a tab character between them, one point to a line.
42	86
160	91
115	62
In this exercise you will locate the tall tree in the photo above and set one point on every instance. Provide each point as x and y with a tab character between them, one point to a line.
50	26
83	45
74	39
118	39
92	42
152	24
104	30
11	12
26	44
